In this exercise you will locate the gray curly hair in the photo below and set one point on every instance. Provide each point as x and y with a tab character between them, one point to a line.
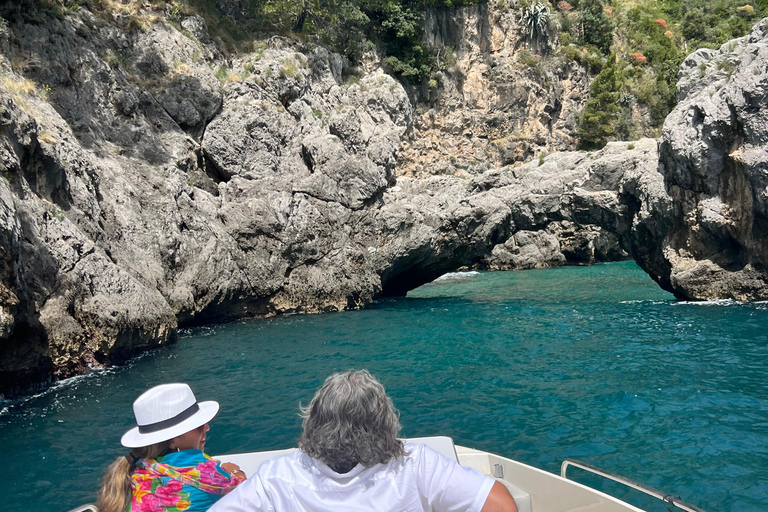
351	420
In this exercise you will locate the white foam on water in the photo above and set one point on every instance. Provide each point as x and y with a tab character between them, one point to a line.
452	276
201	331
6	405
716	302
640	301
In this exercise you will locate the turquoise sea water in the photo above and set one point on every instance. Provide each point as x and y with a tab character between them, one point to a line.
594	363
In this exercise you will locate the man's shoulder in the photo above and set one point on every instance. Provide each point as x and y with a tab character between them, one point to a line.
418	451
287	463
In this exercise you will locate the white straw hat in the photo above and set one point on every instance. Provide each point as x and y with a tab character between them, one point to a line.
167	411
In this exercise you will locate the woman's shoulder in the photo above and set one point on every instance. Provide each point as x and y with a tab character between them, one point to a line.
185	458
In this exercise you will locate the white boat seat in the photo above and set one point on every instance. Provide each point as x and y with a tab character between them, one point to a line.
441	444
85	508
250	462
481	461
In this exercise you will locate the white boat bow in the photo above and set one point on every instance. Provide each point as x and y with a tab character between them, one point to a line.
534	490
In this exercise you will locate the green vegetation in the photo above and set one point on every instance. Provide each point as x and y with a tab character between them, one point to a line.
596	27
535	20
601	111
634	47
222	74
348	26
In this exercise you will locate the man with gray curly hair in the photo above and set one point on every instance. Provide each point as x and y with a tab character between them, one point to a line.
350	459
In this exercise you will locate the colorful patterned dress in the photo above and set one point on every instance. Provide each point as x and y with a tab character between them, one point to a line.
188	481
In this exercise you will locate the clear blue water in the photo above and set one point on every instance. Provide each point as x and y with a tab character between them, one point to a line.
594	363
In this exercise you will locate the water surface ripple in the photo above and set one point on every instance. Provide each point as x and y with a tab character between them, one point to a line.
594	363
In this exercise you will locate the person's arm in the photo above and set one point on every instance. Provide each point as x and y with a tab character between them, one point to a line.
499	500
449	487
246	497
233	469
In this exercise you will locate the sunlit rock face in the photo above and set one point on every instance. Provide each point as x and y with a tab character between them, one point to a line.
151	182
573	207
497	101
714	159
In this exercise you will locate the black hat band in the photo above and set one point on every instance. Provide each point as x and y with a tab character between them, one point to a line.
170	422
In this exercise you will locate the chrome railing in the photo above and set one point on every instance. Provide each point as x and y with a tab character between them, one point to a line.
666	498
85	508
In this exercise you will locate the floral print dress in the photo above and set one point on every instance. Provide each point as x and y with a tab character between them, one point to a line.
188	481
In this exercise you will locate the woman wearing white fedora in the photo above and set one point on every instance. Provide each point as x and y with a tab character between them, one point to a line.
166	469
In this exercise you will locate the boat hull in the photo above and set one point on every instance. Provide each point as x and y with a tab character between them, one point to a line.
536	490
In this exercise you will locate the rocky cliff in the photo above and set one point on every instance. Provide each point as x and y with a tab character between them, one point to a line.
499	101
152	182
714	159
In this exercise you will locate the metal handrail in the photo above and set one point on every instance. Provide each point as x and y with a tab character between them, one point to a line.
666	498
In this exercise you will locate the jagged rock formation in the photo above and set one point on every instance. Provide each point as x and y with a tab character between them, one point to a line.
151	182
498	104
574	207
147	185
714	159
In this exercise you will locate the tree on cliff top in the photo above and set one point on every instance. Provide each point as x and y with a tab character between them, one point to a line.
597	29
597	123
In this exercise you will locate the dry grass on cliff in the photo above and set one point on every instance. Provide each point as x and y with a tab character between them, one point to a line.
134	14
21	90
137	13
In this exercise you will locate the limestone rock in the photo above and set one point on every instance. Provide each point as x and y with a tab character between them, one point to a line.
527	249
577	208
160	184
140	193
493	107
714	158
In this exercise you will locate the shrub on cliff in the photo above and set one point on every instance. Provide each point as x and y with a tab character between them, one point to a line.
596	27
597	123
535	21
652	38
705	23
663	31
344	26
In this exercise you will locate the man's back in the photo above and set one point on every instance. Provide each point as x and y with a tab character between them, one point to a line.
422	480
352	426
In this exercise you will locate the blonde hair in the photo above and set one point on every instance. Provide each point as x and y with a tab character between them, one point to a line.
115	492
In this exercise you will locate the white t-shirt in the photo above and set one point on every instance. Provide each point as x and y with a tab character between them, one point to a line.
421	481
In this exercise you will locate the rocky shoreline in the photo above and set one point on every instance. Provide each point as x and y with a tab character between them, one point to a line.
152	183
